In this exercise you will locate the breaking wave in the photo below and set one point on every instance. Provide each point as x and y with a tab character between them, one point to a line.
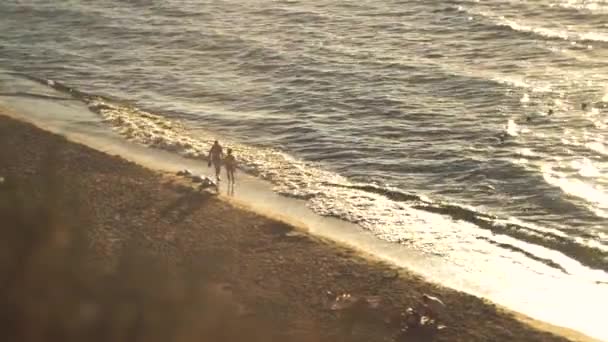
530	28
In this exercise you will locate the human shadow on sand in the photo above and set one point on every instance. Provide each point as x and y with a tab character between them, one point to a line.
420	334
185	205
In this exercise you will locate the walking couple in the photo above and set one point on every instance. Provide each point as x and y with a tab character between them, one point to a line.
217	157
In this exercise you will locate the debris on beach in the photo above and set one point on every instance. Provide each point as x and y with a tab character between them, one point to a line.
1	180
365	310
205	182
295	235
413	319
184	172
198	178
343	301
415	325
347	301
433	305
390	274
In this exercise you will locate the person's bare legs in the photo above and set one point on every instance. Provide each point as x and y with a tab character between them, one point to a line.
218	168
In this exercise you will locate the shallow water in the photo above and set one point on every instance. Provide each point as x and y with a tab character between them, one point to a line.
425	123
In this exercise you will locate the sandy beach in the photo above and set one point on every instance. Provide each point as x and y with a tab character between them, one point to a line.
97	248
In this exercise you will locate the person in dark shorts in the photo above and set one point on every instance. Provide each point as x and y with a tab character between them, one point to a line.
216	153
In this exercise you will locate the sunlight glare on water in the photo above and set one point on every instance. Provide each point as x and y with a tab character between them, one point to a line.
470	131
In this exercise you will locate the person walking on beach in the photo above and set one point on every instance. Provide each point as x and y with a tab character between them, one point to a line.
230	163
215	157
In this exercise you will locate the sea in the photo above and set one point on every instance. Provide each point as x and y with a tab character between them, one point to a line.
473	131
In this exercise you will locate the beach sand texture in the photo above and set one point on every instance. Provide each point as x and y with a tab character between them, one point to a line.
96	248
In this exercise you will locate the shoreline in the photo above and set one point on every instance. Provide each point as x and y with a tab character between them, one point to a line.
271	266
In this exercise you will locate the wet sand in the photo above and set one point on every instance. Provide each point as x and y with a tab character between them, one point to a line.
99	248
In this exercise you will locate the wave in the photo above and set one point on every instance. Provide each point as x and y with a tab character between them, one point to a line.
596	7
390	213
470	74
597	147
577	187
546	32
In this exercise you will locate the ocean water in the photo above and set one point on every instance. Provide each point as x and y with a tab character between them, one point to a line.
475	131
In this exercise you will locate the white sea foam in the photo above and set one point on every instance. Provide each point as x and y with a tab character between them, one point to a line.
578	188
385	218
512	128
585	168
593	6
536	28
290	176
526	152
597	147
